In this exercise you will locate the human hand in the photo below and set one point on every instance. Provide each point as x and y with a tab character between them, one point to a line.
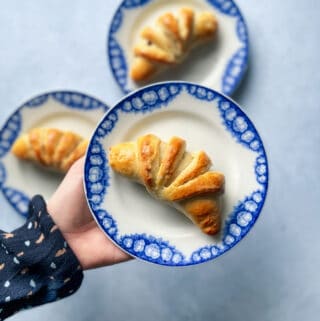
69	209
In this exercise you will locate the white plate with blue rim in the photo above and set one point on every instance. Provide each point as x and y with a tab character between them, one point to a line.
207	120
66	110
220	64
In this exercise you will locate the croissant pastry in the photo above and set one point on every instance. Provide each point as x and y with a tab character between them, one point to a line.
50	147
172	174
169	41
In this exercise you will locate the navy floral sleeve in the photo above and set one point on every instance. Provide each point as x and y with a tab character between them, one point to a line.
36	264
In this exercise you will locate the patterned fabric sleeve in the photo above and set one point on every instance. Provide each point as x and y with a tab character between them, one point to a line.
36	264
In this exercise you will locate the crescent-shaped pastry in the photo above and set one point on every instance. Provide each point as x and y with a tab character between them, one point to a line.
50	147
172	174
169	40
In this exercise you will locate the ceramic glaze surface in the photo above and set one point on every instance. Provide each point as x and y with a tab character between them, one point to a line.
66	110
219	65
207	120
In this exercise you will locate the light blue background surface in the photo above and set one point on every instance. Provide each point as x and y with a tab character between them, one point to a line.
273	274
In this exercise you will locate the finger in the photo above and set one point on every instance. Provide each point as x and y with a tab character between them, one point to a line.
120	256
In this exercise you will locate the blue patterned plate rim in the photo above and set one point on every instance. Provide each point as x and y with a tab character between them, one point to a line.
234	70
11	128
156	249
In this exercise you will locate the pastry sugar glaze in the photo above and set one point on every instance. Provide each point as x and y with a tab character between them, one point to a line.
170	173
50	147
169	39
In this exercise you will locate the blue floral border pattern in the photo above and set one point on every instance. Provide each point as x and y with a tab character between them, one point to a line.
147	247
234	70
12	128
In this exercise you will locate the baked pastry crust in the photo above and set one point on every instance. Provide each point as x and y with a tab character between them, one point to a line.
172	174
50	147
169	41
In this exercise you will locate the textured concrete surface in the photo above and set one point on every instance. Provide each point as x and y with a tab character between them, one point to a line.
271	275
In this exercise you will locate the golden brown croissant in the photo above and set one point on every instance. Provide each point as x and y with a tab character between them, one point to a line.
172	174
50	147
169	41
